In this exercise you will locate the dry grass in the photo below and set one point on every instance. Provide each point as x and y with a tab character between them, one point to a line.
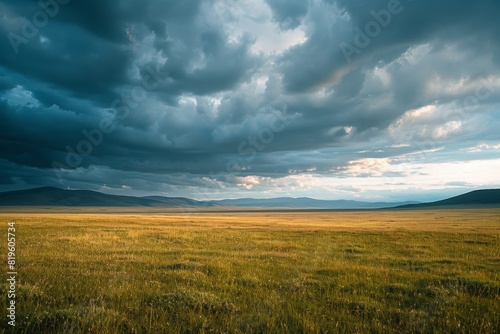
324	272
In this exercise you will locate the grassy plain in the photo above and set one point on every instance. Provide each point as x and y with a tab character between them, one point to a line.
323	272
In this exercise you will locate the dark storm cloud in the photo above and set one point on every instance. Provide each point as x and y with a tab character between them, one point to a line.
228	96
414	22
288	13
86	66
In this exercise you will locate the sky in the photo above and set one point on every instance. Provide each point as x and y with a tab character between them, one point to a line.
376	100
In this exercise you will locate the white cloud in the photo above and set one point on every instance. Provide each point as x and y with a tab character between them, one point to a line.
415	54
248	182
374	167
20	97
483	147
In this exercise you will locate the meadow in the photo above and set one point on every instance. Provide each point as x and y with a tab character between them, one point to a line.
432	271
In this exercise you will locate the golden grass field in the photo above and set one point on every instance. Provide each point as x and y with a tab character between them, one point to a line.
423	271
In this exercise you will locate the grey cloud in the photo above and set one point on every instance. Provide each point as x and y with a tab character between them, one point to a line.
417	22
216	96
288	13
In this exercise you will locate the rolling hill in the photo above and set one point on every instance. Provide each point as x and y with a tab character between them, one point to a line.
50	196
486	197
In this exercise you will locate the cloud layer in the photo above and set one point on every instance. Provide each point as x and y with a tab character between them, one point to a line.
321	98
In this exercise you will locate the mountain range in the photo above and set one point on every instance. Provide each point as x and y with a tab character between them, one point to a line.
55	197
305	202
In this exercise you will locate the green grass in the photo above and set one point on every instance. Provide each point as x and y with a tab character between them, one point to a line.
371	272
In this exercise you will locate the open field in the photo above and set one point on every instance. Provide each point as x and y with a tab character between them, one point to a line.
303	272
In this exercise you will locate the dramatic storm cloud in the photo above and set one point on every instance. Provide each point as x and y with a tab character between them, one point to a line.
380	100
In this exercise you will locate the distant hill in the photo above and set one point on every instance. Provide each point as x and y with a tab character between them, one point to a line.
306	203
179	201
55	197
486	197
49	196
